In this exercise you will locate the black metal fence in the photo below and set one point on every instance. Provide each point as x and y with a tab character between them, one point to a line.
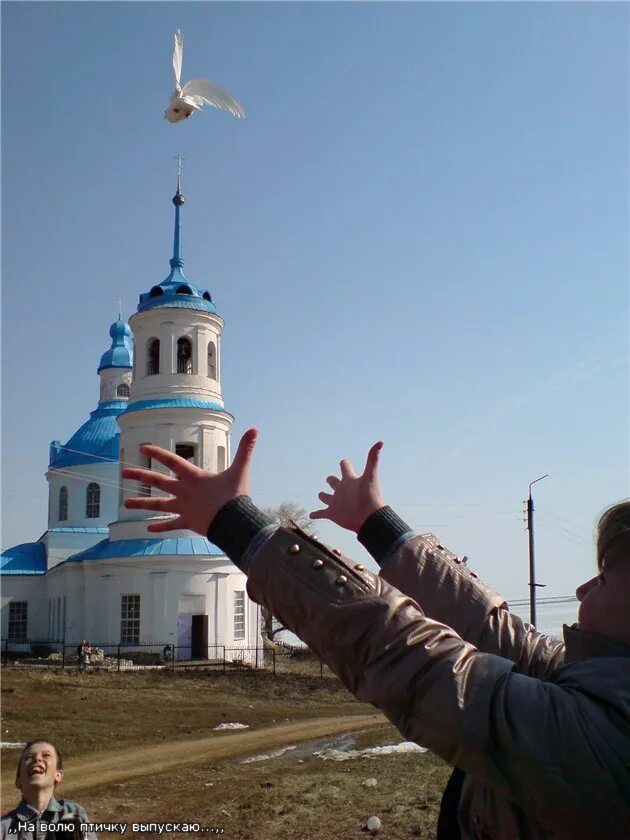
113	656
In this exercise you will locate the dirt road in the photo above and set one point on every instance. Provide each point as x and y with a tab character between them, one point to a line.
119	765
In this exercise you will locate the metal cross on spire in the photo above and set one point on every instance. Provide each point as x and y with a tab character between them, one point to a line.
120	307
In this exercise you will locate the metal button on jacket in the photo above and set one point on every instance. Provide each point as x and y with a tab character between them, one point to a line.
359	567
294	549
342	580
317	564
337	552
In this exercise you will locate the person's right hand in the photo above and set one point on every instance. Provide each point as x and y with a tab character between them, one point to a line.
196	495
354	497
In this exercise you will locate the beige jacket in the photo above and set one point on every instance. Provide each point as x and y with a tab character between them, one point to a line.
542	730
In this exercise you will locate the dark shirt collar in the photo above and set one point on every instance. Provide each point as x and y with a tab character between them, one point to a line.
580	645
26	812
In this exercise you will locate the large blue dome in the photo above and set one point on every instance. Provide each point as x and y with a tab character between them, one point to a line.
95	442
120	354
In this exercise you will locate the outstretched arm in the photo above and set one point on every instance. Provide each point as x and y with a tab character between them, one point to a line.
507	730
436	579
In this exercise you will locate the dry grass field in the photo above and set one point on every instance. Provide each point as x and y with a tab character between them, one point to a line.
294	796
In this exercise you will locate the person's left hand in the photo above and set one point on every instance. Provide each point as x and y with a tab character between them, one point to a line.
354	497
196	495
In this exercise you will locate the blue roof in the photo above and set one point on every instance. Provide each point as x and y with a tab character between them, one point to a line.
95	442
24	559
120	354
78	529
183	402
104	550
176	291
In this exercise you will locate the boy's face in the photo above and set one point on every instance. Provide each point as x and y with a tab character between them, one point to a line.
38	768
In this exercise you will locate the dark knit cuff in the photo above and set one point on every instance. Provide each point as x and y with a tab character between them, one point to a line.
380	531
235	526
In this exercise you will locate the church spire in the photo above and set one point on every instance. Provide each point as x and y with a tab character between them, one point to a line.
175	290
178	200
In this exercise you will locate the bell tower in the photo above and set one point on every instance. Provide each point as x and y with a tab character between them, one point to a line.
175	397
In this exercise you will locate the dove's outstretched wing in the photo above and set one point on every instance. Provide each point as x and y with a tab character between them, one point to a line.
178	50
207	92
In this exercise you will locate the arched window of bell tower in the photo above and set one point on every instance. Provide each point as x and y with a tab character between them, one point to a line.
212	360
184	355
123	391
153	356
187	451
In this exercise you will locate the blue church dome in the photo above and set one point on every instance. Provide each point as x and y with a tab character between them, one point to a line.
120	354
24	559
176	291
95	442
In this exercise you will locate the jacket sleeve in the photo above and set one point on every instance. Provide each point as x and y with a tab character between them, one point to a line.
449	592
507	730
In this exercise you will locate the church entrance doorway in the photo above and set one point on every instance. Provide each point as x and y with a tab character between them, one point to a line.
199	637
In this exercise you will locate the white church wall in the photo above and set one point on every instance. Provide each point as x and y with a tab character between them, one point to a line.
77	479
28	589
63	607
167	586
111	379
60	545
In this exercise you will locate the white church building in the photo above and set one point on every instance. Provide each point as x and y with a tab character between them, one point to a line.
97	573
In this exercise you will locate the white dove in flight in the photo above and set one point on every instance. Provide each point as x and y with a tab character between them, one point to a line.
196	93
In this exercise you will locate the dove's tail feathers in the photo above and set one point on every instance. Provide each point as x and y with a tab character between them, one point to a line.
213	95
178	51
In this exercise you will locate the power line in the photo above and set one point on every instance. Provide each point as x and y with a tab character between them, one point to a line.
577	528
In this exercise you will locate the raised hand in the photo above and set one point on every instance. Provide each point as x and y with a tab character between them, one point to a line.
196	495
354	497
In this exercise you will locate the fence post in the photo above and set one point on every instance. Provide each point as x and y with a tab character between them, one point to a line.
118	657
274	661
224	662
256	655
63	654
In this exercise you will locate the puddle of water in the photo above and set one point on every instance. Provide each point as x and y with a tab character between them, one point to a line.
273	754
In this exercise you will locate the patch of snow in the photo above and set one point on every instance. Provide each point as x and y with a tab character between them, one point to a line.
10	744
272	754
231	726
370	783
370	752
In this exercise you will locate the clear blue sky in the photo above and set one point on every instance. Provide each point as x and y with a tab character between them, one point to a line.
419	234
